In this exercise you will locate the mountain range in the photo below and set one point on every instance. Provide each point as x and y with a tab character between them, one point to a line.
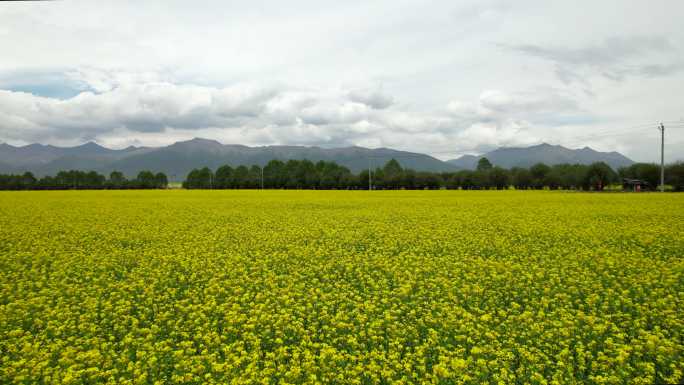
508	157
177	159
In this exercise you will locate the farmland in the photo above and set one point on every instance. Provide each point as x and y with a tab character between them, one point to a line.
289	287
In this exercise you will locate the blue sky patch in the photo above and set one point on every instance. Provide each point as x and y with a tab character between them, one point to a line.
47	84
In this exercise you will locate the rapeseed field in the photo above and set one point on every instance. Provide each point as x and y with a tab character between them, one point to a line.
294	287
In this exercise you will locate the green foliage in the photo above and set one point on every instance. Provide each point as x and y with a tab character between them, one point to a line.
674	176
146	179
304	174
117	179
599	175
82	180
521	178
484	164
539	172
199	179
499	178
224	177
649	172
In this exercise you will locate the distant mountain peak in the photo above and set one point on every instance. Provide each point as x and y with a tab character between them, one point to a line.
204	140
91	145
34	145
198	143
545	145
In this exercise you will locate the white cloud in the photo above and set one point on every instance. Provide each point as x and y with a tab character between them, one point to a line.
374	98
444	78
614	58
314	116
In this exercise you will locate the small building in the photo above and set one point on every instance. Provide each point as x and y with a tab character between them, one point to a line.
635	185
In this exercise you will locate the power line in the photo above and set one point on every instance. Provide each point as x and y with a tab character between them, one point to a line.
602	136
618	132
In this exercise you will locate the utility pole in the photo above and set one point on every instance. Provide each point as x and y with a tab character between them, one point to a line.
370	173
662	157
262	178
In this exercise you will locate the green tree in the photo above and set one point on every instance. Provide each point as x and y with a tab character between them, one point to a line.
392	174
427	181
307	175
241	177
466	179
499	178
254	177
274	174
481	179
649	172
567	176
28	181
223	177
521	178
538	172
145	180
199	179
674	176
160	180
363	179
484	164
599	175
116	180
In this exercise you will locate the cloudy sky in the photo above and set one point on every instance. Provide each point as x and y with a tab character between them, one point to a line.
442	77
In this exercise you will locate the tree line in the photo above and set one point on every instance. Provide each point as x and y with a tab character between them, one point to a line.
304	174
293	174
83	180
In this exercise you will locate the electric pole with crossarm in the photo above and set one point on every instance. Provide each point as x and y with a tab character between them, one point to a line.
662	157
